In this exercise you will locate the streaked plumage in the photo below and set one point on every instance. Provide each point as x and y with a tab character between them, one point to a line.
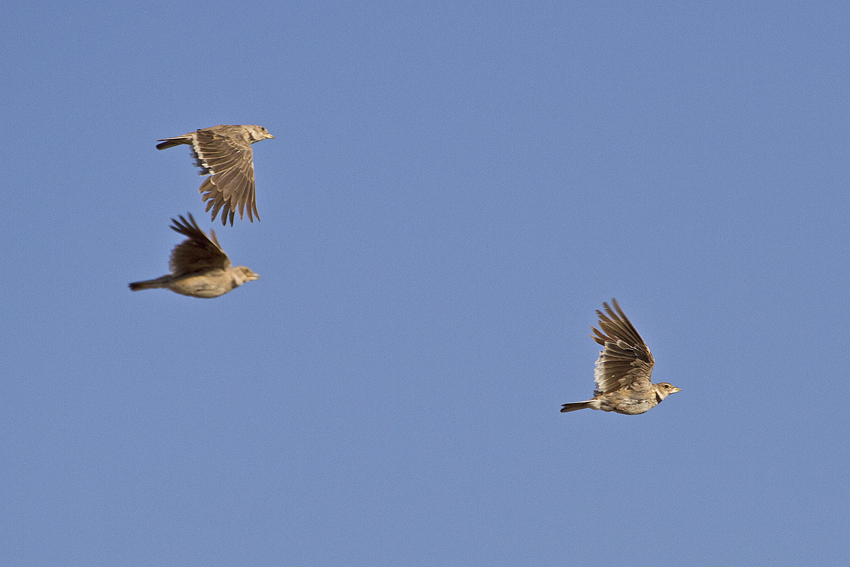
225	152
623	370
199	267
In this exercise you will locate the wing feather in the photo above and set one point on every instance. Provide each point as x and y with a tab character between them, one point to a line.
224	152
198	253
625	360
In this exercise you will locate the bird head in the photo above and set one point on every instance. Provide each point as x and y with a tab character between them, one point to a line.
244	274
258	133
664	389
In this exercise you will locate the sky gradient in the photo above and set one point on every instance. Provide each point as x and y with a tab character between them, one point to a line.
453	189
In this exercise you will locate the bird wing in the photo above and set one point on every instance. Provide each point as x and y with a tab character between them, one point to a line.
625	360
225	152
198	253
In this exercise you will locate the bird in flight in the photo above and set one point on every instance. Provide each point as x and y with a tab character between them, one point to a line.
623	369
224	153
198	265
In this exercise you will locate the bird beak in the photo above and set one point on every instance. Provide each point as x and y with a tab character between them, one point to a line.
675	389
269	136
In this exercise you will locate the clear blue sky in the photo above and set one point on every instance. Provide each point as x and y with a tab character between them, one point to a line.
454	189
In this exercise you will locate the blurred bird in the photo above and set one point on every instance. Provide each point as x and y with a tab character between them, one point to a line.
623	369
199	267
225	152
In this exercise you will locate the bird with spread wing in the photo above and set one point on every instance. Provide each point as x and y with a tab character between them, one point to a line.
224	152
624	368
199	267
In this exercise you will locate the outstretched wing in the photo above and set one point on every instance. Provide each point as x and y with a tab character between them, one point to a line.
198	253
225	152
625	361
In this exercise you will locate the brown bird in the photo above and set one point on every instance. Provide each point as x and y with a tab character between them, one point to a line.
225	152
199	267
623	369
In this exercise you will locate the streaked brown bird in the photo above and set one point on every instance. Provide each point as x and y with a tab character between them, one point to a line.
623	369
199	267
225	152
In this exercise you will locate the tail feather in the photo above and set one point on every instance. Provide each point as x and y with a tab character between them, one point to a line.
575	406
151	284
171	142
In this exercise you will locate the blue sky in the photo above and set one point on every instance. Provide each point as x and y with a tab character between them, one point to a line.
453	190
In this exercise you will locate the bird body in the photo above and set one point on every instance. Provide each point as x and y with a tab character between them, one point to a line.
623	370
625	401
199	267
207	285
224	152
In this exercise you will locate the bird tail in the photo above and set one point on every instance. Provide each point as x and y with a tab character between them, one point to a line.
171	142
151	284
575	406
